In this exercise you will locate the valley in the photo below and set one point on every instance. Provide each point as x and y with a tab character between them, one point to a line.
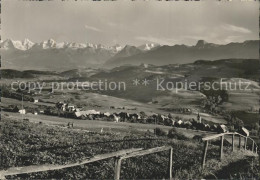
171	101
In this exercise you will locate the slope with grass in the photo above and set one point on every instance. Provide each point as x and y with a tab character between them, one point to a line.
27	143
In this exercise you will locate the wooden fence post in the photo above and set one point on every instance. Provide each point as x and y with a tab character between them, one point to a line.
233	142
117	168
221	146
204	153
245	143
239	142
253	145
170	163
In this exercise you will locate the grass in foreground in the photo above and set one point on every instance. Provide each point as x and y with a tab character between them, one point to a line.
24	143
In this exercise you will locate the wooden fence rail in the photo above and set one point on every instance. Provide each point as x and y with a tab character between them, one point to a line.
222	137
120	155
142	153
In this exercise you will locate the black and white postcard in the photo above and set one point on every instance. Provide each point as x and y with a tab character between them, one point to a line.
128	89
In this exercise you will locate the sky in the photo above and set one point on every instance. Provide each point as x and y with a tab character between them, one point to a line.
133	23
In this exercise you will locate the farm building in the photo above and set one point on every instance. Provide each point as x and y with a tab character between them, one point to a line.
244	131
213	127
41	111
22	111
187	124
173	122
207	127
71	107
179	122
116	118
223	128
86	113
107	114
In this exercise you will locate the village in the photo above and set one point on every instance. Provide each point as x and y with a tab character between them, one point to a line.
69	110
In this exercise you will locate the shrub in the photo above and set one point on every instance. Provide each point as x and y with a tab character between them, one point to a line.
198	138
159	132
176	135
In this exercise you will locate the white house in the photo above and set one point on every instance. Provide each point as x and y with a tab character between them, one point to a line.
223	128
107	114
179	122
244	131
116	118
22	111
88	112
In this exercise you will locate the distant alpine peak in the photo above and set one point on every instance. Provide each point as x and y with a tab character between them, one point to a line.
205	44
48	44
10	44
129	49
201	43
148	46
7	44
117	47
76	45
27	44
90	45
128	46
27	41
62	45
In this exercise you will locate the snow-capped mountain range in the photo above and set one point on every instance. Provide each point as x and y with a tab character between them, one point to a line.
52	44
50	53
26	44
20	45
55	55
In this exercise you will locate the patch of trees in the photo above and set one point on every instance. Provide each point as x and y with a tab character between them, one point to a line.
233	122
214	99
256	130
159	132
250	66
10	74
6	92
172	133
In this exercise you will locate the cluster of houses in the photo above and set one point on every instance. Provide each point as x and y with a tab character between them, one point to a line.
72	111
141	118
79	113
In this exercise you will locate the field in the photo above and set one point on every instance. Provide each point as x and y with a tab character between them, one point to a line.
28	143
244	99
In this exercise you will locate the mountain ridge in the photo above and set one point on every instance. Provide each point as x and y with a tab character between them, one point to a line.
186	54
50	54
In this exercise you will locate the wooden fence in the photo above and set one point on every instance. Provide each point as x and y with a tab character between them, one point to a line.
134	152
119	155
222	137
